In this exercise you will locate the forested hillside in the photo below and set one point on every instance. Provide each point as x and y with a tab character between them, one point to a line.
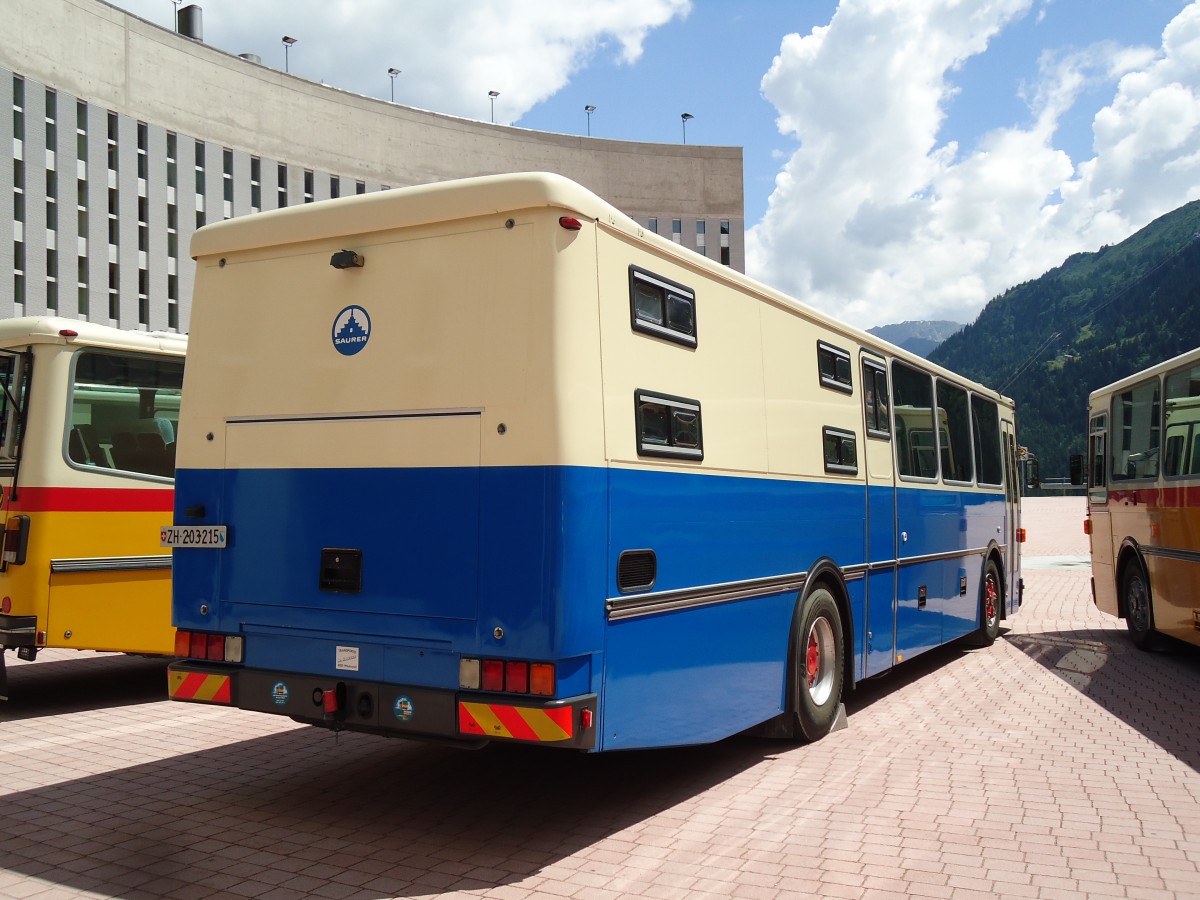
1096	318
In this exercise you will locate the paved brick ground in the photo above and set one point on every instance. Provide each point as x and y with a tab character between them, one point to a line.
1059	763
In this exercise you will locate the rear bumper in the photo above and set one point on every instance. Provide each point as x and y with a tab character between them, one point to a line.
389	709
18	631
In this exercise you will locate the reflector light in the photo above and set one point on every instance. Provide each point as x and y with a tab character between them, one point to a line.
330	701
1020	535
183	643
468	674
68	332
541	679
493	675
198	646
570	223
234	648
585	719
6	605
216	647
1087	526
516	677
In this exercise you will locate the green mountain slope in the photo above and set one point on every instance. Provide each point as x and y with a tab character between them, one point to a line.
1098	317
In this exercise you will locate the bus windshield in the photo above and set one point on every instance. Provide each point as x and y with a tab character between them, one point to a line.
13	381
124	412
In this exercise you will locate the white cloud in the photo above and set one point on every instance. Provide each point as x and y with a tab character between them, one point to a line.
874	221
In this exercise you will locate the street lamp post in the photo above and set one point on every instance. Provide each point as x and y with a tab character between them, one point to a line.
392	73
684	118
287	45
589	109
492	95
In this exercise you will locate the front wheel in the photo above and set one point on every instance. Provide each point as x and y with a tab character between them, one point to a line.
989	606
818	665
1139	618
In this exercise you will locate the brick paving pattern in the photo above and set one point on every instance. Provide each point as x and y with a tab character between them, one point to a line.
1059	763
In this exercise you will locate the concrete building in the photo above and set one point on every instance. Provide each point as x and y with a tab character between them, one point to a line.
126	137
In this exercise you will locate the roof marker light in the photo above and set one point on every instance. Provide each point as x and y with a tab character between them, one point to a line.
570	223
67	332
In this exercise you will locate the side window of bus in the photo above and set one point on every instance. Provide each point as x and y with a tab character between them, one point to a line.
912	408
1097	438
124	412
661	307
13	381
833	365
955	430
985	421
1135	417
875	400
668	426
1181	450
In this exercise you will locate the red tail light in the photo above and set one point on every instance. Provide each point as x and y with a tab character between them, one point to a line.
510	676
570	223
493	675
218	647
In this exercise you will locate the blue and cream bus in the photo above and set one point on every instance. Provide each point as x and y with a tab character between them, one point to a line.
487	460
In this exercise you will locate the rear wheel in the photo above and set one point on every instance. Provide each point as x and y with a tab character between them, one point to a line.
1139	618
818	668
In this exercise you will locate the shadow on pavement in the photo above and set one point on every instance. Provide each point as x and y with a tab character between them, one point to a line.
53	686
303	809
1155	693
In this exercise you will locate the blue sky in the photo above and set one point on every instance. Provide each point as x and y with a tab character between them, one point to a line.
904	159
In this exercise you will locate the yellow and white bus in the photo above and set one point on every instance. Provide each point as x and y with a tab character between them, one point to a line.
1143	477
88	424
486	460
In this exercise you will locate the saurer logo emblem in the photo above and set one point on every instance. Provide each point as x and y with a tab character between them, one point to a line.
351	330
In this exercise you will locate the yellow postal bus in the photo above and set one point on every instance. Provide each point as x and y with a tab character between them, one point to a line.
1143	477
88	420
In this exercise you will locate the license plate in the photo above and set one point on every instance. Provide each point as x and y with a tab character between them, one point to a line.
211	536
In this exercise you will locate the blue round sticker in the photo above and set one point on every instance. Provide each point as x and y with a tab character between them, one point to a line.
351	330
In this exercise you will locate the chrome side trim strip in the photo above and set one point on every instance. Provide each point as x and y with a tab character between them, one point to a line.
1192	556
633	605
111	563
704	595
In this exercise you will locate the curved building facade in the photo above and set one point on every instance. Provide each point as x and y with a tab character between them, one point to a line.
126	137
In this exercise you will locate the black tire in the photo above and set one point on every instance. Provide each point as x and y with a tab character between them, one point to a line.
818	665
990	601
1139	614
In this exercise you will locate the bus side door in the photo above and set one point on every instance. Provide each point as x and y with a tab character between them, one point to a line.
879	651
1012	493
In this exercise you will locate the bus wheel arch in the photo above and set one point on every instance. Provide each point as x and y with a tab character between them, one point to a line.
818	658
991	601
1134	596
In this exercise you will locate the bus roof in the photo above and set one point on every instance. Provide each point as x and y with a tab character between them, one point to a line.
27	330
1191	356
488	195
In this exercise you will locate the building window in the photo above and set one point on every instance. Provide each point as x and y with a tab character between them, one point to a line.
112	142
308	186
172	155
335	187
114	291
360	187
18	108
143	142
282	181
82	281
51	121
255	184
700	236
725	242
677	230
661	307
652	225
227	181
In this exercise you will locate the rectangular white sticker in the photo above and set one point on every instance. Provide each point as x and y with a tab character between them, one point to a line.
347	659
212	537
